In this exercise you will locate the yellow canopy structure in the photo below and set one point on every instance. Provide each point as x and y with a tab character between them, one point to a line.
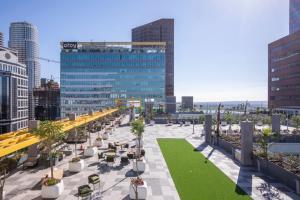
14	141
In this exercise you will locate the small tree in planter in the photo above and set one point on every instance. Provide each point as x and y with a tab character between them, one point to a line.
3	174
138	187
229	119
296	120
263	142
50	133
90	150
76	164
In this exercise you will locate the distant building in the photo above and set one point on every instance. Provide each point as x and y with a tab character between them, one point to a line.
98	74
13	92
187	103
47	100
171	104
23	37
1	40
294	16
161	30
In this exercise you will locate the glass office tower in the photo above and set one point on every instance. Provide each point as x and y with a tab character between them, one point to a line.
294	16
95	75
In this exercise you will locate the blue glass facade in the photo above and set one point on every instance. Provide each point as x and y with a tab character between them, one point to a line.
94	78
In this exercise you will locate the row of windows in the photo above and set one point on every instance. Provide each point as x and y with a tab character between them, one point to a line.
13	69
22	82
286	67
23	103
132	63
282	98
22	113
289	55
294	75
22	93
89	69
111	57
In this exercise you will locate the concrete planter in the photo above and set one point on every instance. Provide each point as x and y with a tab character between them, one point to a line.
152	122
187	123
53	191
142	191
98	143
105	135
139	144
139	165
90	151
76	166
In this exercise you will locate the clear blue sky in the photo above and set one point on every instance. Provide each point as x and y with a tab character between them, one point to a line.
220	45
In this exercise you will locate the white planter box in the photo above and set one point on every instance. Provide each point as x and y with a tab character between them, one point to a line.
98	143
90	151
187	123
139	165
76	166
105	135
137	143
141	190
152	122
53	191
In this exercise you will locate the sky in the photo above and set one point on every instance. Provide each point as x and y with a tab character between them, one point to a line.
221	46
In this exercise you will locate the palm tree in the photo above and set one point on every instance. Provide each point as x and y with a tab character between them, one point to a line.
50	133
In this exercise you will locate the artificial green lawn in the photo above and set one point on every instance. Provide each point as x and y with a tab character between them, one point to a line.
195	177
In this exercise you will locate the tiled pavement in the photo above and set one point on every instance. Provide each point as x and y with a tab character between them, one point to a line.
115	181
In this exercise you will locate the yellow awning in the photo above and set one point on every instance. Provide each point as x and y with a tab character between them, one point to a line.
14	141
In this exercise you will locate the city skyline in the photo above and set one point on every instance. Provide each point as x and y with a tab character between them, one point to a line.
197	70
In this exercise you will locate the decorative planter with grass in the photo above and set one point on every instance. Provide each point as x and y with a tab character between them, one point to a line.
90	151
105	135
76	165
138	189
52	188
98	142
139	165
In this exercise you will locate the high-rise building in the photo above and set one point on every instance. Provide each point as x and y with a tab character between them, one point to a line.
294	16
284	67
23	37
98	74
161	30
1	40
284	74
47	100
13	92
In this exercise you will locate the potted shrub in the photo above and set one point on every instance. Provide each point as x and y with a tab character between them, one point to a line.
76	165
50	133
137	128
98	142
90	151
138	189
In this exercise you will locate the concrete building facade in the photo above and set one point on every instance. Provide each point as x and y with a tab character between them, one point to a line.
13	92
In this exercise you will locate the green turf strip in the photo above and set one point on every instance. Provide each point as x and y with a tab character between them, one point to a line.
195	177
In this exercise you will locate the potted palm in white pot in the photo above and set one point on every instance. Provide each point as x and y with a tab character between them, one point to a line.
90	151
50	133
76	164
137	128
138	187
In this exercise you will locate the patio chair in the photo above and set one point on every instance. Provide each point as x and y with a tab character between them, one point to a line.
124	160
31	162
110	160
84	191
94	179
